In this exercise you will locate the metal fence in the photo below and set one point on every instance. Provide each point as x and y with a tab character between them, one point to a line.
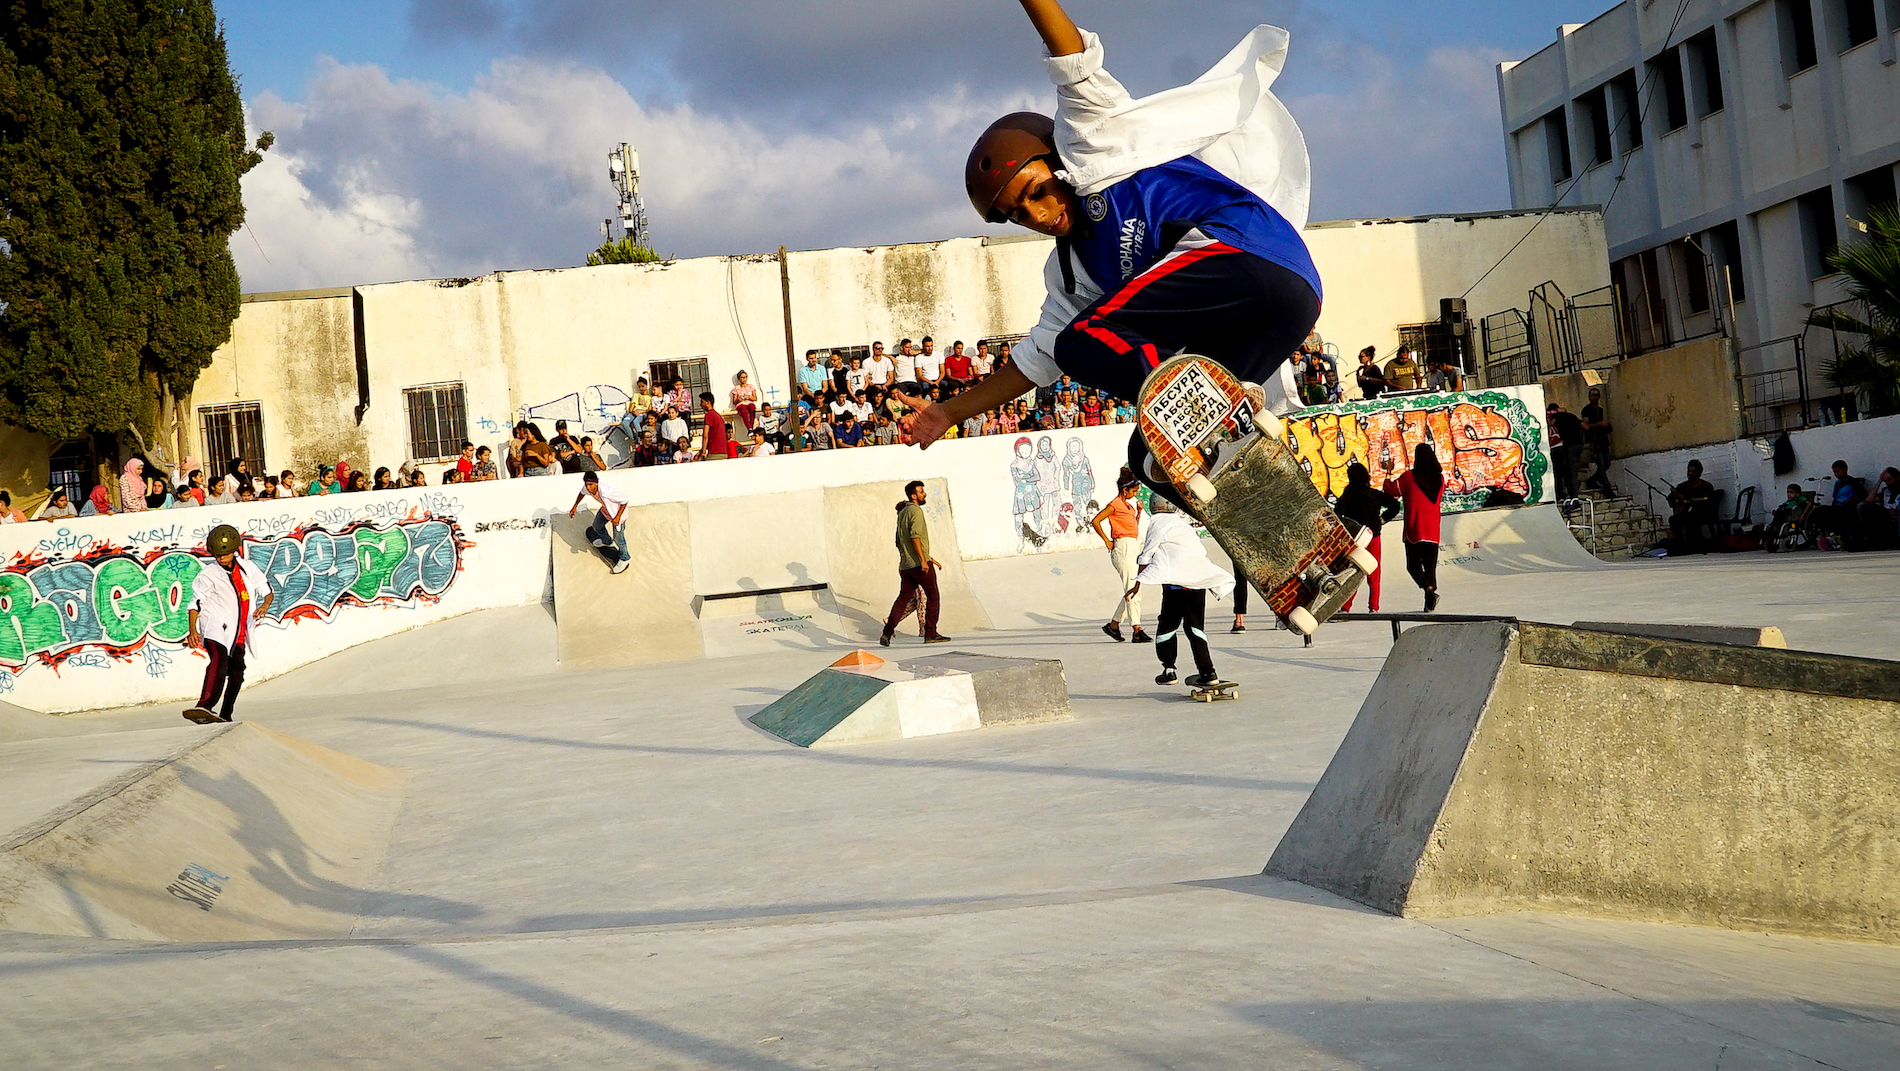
1559	334
1774	379
1508	360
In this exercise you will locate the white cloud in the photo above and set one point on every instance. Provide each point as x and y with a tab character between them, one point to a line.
379	179
375	178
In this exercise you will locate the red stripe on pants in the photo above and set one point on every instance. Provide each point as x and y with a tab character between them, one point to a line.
1093	325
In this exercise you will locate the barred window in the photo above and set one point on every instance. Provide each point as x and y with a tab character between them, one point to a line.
229	431
70	470
438	421
862	353
693	370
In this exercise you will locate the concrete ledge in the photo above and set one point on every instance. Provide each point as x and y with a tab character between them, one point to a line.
1734	635
863	698
1498	767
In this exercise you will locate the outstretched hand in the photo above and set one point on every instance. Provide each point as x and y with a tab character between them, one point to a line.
924	424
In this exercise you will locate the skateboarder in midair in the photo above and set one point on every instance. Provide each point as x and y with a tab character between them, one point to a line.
1177	227
1173	556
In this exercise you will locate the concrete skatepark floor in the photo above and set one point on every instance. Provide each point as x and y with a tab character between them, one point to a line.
611	868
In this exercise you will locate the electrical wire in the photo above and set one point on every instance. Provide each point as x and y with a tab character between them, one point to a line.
1642	112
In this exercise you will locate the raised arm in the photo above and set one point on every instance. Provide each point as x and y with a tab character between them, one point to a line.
1057	29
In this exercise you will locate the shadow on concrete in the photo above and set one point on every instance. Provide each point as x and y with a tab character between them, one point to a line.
846	759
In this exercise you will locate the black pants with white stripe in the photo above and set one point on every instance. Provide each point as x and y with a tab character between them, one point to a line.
1183	610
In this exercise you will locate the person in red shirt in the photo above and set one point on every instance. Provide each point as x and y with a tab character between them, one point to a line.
957	368
1091	411
1421	490
466	463
718	438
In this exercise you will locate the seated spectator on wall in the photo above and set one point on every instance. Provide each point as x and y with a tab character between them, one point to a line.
646	453
958	368
1068	414
223	492
674	424
358	482
849	432
811	377
1092	410
1442	375
58	507
566	456
679	398
883	431
451	475
904	368
484	469
266	489
9	515
419	478
244	494
98	502
929	363
855	377
972	427
683	452
537	456
563	436
760	446
879	370
326	478
465	461
639	409
745	402
769	424
588	452
817	431
382	480
981	365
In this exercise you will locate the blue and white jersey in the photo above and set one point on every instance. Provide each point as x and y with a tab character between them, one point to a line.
1131	223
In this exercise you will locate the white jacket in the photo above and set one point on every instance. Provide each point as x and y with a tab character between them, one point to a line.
1172	553
215	598
1228	118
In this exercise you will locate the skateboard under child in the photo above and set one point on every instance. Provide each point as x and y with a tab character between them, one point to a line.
1227	459
1213	692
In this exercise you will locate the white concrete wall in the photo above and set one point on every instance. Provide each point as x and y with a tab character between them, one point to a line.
1866	445
88	620
573	340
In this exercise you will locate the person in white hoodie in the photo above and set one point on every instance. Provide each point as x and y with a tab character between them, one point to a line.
1173	556
228	597
1177	223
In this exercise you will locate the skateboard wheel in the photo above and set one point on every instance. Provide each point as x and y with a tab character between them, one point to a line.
1269	425
1363	537
1201	487
1364	561
1301	620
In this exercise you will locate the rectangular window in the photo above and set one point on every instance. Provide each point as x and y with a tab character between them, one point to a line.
1705	74
696	374
67	469
1819	234
1594	107
1798	50
1668	97
846	352
438	421
1857	23
1557	143
1725	245
231	431
1875	189
1627	109
1693	266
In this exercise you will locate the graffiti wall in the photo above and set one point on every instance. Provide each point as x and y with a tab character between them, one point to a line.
1487	441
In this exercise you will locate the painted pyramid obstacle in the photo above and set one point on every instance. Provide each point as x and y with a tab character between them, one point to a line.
861	698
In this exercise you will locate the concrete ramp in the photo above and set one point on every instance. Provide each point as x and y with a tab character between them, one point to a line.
221	833
862	698
1503	766
811	570
1496	542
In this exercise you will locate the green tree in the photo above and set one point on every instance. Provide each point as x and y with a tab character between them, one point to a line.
624	251
121	145
1872	268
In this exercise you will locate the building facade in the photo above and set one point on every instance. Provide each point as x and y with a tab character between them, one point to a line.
1731	145
386	373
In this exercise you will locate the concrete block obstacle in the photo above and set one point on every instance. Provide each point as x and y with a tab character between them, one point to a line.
221	833
1503	766
801	570
862	698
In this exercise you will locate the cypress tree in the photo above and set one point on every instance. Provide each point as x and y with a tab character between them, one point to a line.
121	145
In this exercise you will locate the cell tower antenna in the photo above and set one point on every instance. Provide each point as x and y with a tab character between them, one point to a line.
623	170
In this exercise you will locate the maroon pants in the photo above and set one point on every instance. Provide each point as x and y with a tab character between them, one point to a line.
913	581
224	676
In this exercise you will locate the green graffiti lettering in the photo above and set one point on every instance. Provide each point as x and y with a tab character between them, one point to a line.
25	626
171	583
122	596
378	554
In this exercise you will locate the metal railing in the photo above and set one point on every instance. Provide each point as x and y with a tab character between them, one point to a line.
1508	359
1774	382
1558	335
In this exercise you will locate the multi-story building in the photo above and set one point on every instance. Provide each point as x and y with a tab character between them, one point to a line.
1732	144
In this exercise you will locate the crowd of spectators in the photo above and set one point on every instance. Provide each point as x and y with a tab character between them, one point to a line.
843	404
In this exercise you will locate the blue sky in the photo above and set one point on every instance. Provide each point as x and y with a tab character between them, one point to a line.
454	137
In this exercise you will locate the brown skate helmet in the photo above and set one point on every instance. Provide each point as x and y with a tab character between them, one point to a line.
1002	151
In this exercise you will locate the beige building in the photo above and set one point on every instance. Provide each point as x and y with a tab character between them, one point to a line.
1731	144
379	374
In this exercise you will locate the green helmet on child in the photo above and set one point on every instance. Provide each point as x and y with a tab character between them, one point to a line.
223	540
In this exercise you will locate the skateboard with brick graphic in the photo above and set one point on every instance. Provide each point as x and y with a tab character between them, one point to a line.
1227	460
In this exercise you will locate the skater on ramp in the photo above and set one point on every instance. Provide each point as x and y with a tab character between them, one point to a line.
228	597
1173	556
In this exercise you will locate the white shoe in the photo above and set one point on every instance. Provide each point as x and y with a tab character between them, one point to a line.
620	566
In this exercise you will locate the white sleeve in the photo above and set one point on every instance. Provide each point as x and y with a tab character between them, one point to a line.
1035	355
